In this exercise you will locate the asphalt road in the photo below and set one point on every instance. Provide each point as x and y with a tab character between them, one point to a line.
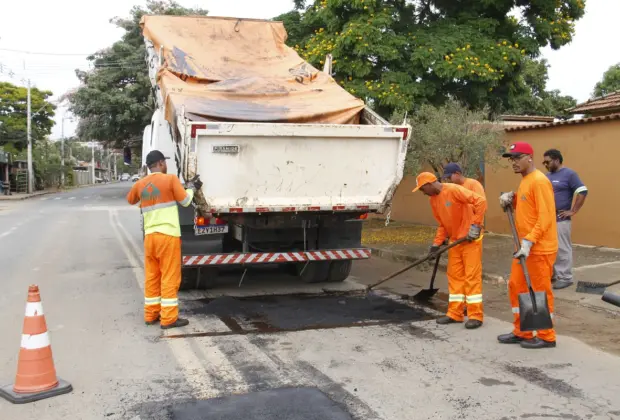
262	348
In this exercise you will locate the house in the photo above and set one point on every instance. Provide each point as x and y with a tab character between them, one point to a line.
596	107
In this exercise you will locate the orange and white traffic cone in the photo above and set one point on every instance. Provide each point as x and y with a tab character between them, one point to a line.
36	376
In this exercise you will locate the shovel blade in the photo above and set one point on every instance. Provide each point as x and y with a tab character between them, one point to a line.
425	294
531	320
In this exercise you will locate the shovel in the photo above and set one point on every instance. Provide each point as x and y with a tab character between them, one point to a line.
427	294
418	262
533	306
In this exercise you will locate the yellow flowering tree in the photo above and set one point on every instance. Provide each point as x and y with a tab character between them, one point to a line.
398	54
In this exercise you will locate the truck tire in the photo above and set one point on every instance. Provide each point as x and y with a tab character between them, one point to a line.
316	272
339	271
191	281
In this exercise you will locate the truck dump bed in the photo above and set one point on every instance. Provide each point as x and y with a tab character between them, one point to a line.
228	69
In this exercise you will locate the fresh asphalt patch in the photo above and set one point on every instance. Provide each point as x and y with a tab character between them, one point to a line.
287	313
275	404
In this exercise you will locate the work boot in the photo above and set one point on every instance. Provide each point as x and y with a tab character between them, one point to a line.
444	320
472	324
178	323
537	343
153	322
562	284
509	338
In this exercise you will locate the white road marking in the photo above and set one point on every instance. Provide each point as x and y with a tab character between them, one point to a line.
605	264
43	198
8	232
71	198
57	198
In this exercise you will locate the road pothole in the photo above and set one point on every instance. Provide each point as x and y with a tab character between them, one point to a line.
288	313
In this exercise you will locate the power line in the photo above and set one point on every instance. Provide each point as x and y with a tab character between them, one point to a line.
44	53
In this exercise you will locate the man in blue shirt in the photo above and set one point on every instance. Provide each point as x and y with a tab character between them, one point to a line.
566	186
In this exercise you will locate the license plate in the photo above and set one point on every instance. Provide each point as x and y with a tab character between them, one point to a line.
211	229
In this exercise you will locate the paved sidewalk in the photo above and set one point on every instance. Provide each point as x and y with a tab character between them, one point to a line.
407	242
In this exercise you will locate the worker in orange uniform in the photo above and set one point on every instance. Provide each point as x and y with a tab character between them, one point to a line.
454	173
158	195
535	220
460	213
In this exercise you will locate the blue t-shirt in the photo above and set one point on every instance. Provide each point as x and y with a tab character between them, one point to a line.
566	184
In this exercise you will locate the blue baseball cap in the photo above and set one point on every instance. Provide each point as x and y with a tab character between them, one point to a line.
450	169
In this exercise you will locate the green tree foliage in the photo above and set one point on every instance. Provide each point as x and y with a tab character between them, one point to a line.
610	82
114	102
398	54
13	114
531	96
452	133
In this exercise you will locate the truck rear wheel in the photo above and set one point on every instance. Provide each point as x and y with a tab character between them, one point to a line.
315	272
339	271
198	278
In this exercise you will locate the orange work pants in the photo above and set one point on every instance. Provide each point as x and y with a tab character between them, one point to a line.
540	269
465	281
162	266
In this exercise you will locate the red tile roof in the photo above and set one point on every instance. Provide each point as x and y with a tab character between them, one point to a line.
569	122
609	102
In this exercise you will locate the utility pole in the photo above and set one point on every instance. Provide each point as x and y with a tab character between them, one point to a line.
29	134
62	152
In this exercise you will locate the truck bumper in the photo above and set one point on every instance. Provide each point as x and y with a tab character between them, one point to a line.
276	257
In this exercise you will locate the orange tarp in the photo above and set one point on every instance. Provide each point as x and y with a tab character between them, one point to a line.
230	69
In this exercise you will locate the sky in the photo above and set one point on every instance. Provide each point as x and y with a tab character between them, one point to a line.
58	42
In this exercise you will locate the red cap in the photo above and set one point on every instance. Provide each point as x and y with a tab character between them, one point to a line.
519	148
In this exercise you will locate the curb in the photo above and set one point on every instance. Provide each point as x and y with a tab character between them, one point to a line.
28	197
443	265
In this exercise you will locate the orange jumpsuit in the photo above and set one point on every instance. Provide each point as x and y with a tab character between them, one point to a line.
535	220
158	195
456	208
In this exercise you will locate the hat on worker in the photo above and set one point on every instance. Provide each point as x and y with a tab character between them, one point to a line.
155	156
450	169
423	179
519	148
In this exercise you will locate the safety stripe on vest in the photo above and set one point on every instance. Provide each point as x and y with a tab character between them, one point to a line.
152	301
456	298
167	303
276	257
186	200
473	299
159	206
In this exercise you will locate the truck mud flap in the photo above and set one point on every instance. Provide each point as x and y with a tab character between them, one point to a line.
276	257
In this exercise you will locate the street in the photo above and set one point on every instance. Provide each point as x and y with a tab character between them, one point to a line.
371	357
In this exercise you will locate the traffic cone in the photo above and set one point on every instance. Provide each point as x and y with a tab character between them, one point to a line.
36	376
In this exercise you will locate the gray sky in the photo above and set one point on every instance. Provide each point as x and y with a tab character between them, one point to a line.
51	27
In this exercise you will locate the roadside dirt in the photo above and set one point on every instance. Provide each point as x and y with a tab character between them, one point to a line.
598	328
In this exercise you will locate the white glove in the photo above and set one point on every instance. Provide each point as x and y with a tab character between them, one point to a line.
474	232
506	199
526	246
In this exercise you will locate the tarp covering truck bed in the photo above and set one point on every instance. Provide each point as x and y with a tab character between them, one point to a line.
229	69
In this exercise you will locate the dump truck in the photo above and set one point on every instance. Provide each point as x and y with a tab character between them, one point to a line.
291	163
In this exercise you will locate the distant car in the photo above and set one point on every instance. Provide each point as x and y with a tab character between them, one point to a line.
134	178
125	177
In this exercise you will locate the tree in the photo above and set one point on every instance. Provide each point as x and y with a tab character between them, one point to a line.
13	114
610	82
114	102
399	54
452	133
531	96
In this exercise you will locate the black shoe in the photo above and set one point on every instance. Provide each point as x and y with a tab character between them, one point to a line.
472	324
444	320
562	284
537	343
509	338
152	322
178	323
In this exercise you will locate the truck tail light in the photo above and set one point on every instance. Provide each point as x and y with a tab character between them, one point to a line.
219	221
363	216
200	221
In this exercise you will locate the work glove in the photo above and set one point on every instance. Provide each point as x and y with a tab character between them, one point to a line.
506	199
526	246
433	250
195	183
474	232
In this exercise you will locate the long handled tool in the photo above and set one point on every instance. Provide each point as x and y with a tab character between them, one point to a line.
418	262
533	306
594	288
